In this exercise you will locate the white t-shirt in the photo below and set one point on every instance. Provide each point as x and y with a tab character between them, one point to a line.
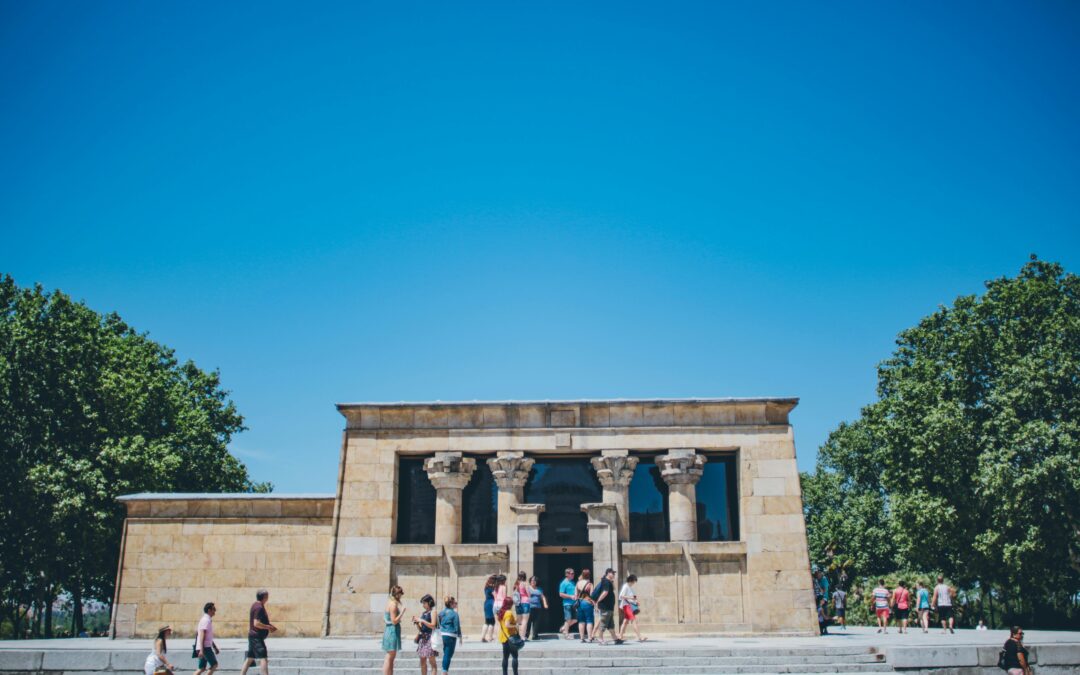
627	591
941	594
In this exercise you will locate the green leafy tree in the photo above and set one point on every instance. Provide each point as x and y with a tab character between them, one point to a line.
91	409
972	450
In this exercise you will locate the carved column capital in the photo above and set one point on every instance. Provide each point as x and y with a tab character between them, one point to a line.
449	470
614	472
681	466
510	472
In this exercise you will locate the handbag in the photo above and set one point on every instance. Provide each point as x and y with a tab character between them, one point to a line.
515	642
1001	660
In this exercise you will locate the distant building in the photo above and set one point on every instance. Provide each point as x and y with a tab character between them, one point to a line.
699	498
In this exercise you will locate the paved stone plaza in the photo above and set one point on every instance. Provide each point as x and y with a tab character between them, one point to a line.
859	650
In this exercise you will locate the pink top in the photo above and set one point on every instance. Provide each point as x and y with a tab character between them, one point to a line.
206	624
500	596
900	597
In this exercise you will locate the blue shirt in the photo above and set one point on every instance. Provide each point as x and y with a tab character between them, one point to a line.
534	597
570	589
449	623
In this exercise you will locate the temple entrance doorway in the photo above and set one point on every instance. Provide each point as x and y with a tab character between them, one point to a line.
551	564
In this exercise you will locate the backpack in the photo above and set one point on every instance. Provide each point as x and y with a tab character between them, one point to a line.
597	590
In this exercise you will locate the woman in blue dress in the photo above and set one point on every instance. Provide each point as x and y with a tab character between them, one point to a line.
489	610
391	639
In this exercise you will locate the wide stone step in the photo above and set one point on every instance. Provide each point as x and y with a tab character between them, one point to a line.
593	661
540	668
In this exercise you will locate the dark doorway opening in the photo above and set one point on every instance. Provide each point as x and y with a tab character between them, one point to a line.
551	563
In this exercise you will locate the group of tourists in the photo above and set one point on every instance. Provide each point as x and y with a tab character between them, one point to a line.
895	604
435	630
206	650
512	614
592	607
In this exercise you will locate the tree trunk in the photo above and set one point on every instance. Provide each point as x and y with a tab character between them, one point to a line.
48	617
76	610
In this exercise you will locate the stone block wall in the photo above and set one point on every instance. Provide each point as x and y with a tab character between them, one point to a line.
182	552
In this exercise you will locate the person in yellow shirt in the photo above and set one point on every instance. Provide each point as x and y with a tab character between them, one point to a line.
507	628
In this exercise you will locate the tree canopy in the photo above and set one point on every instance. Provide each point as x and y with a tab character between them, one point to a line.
90	409
969	461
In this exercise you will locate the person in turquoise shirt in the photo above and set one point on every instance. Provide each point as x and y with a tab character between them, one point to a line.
568	593
922	604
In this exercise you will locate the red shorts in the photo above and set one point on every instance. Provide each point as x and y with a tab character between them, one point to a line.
883	613
628	612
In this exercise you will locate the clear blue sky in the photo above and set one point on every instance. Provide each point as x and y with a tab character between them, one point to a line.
532	200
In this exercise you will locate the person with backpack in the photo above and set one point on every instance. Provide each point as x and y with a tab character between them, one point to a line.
604	598
1014	655
521	604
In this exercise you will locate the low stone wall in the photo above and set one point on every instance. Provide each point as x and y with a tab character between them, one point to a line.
182	552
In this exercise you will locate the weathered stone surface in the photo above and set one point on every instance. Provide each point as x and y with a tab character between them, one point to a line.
329	562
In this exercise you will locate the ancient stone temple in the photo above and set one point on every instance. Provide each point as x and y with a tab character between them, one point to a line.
699	498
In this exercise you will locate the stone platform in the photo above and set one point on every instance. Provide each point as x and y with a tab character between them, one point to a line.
859	650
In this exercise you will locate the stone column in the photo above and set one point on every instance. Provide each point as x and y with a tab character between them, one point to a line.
605	546
615	469
449	473
681	469
510	471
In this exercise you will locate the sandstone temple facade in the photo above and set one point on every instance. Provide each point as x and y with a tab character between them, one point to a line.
699	498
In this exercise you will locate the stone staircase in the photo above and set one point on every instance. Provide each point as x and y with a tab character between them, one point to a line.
536	659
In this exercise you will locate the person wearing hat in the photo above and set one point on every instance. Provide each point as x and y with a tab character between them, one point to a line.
157	663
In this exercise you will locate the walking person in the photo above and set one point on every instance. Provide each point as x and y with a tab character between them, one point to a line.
881	606
259	628
585	609
157	663
630	608
507	631
537	607
489	610
425	624
922	604
391	639
1016	654
521	604
839	598
901	602
941	602
450	628
205	648
568	595
604	597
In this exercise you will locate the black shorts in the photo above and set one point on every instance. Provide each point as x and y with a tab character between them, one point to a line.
901	614
256	648
944	612
208	659
489	621
839	612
